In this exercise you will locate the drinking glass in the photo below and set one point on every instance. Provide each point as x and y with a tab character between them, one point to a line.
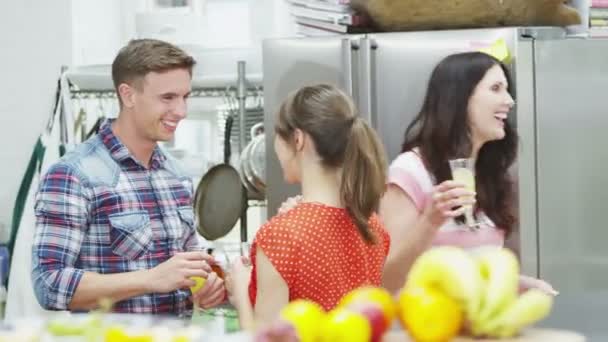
463	171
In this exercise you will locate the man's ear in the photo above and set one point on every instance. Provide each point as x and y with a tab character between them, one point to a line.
127	95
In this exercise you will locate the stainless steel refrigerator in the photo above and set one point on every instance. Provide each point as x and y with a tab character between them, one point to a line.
561	116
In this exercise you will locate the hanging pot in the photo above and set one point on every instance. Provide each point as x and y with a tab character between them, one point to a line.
253	163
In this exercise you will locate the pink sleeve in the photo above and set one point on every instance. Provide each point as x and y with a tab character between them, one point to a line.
408	173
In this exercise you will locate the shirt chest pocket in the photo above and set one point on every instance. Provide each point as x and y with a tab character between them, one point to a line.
130	234
186	217
181	226
178	227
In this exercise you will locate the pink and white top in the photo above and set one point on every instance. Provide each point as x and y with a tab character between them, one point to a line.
409	173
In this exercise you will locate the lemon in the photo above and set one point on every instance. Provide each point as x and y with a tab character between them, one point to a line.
306	317
118	334
141	338
429	314
200	281
115	334
180	339
344	325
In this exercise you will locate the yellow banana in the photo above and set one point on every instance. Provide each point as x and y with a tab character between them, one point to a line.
530	307
452	271
499	269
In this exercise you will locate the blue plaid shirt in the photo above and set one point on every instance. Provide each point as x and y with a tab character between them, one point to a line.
99	210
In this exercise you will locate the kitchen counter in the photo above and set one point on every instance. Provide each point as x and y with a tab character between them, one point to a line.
585	313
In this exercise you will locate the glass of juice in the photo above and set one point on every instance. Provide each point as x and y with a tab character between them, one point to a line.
463	171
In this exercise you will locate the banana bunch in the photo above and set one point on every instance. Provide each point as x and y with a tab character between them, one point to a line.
452	271
503	312
485	285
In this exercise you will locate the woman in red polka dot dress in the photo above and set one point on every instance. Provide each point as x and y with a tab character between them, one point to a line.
332	241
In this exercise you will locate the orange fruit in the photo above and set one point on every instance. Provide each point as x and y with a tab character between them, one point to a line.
306	317
374	295
344	325
429	314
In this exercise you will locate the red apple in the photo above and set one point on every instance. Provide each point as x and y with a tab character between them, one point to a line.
376	295
374	316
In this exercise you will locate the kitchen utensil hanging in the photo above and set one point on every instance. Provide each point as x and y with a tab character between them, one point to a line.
220	198
252	162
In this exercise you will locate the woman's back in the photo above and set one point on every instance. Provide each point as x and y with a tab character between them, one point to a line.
320	254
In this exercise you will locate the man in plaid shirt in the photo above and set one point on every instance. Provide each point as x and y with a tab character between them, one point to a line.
114	217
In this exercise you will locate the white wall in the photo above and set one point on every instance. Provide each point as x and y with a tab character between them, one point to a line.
39	36
35	36
97	30
230	30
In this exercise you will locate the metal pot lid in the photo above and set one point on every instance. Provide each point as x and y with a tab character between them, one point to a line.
258	185
246	176
253	164
257	160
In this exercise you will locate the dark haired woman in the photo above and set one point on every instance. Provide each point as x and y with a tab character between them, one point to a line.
464	115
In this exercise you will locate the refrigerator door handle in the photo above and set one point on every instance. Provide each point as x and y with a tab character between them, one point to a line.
366	77
348	45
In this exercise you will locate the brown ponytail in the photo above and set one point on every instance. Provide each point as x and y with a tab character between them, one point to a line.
343	140
363	175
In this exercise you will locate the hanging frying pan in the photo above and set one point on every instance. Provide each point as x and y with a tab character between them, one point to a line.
220	198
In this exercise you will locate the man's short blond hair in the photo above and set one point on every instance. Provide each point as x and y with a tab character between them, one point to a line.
142	56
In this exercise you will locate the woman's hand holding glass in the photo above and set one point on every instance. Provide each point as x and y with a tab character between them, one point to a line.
449	199
463	171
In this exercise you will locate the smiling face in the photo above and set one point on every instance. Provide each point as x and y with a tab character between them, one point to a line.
489	106
159	103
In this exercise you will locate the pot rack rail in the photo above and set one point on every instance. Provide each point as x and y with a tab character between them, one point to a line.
82	84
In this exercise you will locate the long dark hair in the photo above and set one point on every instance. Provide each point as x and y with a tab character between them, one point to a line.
441	132
342	139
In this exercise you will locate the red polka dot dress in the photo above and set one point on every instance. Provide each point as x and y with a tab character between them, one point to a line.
320	254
